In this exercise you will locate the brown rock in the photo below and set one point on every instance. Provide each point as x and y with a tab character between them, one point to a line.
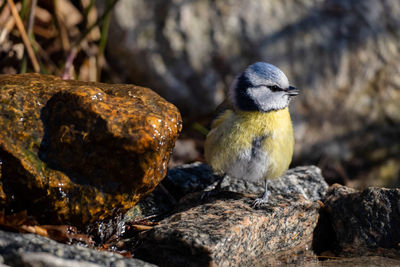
77	152
226	231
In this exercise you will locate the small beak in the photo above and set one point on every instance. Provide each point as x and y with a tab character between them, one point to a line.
292	91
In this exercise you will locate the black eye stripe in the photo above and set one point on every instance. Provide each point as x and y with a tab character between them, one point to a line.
272	87
275	88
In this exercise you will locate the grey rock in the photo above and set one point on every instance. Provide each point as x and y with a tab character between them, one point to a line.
192	49
305	180
224	229
359	221
33	250
183	180
343	55
189	178
197	176
46	259
364	261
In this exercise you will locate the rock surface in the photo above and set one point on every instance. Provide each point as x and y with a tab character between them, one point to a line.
33	250
343	56
225	230
189	178
359	262
354	228
75	152
361	221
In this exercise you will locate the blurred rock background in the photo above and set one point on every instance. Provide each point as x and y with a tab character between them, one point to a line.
344	56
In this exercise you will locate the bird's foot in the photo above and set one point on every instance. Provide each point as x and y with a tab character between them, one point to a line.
264	198
261	200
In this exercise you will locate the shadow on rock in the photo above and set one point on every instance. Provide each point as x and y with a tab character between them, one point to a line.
77	141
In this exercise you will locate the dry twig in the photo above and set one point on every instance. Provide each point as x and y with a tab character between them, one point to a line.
24	36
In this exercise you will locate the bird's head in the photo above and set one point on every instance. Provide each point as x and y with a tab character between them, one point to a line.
261	87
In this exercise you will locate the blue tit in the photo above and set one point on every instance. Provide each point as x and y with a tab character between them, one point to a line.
252	136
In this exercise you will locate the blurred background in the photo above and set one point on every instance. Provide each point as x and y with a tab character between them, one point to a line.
344	56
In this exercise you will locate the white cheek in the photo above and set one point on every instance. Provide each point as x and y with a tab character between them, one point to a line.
285	99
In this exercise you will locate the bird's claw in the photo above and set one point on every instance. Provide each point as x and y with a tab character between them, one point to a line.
258	201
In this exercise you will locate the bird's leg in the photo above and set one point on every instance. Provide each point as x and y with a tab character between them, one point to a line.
264	198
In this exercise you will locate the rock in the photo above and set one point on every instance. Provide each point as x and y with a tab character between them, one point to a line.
360	262
306	181
189	178
204	44
179	182
33	250
74	152
358	221
225	230
183	180
343	56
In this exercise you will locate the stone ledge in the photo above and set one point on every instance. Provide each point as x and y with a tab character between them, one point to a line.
225	230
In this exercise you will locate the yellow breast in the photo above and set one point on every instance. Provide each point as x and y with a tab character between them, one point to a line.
232	136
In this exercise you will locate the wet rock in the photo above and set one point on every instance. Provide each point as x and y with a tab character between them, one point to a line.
225	230
75	152
33	250
358	221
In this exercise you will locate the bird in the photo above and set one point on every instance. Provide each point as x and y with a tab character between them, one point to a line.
252	135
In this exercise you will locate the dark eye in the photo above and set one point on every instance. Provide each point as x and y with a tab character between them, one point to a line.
274	88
